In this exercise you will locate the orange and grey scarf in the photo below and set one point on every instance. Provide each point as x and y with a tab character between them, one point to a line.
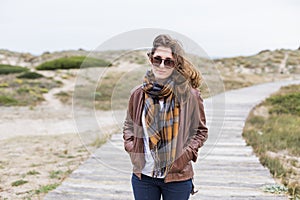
162	124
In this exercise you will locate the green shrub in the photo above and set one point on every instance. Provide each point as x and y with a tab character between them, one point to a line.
7	101
18	183
275	188
74	62
9	69
33	172
56	174
46	188
4	85
285	104
30	75
64	97
274	165
258	121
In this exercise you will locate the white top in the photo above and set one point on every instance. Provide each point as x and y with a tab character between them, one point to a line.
149	165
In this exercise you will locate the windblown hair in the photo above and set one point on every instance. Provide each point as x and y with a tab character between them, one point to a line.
182	65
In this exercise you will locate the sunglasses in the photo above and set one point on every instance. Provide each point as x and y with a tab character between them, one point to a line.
157	60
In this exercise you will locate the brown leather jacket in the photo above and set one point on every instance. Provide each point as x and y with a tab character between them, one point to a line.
191	136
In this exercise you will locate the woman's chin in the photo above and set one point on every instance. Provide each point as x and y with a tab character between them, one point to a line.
161	76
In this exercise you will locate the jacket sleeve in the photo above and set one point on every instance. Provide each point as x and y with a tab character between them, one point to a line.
197	133
128	134
198	129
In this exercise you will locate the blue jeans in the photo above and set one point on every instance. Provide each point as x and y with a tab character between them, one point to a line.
152	188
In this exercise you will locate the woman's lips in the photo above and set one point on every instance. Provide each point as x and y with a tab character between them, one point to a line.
161	72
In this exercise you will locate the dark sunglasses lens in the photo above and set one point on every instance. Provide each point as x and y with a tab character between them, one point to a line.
169	63
156	61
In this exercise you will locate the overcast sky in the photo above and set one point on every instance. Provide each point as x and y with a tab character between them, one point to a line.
222	28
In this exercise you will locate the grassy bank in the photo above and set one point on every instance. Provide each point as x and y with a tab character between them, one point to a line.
273	130
20	91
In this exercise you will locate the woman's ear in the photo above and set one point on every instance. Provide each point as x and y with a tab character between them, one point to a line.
149	58
149	61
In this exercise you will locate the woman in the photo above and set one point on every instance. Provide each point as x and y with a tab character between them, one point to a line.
165	125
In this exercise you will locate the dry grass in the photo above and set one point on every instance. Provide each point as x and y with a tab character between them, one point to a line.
24	92
274	136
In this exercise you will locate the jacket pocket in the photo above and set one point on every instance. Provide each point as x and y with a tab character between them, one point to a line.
181	162
129	144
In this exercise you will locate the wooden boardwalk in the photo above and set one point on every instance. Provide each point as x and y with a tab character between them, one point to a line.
226	167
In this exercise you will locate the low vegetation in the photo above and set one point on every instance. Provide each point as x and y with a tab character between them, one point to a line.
41	166
9	69
263	59
56	174
33	172
16	91
19	182
74	62
112	93
64	97
105	89
273	130
46	188
30	75
266	66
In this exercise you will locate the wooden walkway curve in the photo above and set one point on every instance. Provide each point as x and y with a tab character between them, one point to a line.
226	168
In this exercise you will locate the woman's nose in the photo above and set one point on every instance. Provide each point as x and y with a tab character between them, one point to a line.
162	63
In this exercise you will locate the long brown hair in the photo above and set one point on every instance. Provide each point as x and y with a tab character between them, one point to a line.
182	65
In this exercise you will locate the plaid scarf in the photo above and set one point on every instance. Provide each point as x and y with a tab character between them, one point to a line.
161	124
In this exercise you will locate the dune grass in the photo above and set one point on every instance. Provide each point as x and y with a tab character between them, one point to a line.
24	92
275	138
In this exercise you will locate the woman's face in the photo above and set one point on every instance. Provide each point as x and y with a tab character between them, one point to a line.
162	72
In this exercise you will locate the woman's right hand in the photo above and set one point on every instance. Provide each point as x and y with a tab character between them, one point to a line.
180	163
